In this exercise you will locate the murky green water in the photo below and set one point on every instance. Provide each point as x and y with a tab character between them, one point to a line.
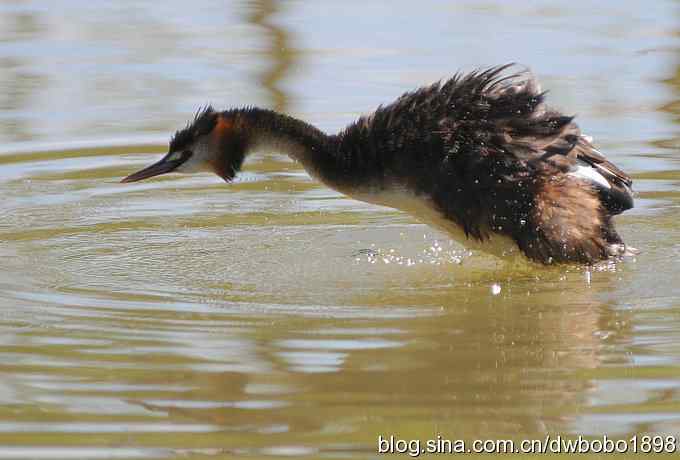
186	318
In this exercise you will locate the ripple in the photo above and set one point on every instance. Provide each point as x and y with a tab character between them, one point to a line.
81	453
102	427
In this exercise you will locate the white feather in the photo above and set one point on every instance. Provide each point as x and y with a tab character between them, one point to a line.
589	173
422	208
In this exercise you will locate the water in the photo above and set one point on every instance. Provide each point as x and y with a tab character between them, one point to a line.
182	317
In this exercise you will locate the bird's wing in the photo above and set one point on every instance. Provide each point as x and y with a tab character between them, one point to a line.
504	124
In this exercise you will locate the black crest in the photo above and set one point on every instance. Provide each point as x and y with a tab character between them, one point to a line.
204	121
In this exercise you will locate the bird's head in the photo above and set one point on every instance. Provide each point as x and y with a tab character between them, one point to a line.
212	141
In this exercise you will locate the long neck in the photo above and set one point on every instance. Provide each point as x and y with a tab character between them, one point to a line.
269	130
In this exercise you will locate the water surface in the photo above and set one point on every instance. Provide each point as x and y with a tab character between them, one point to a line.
186	318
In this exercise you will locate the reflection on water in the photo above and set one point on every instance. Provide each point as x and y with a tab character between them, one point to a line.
17	84
673	107
273	317
281	54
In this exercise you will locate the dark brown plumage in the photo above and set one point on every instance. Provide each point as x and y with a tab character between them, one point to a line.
480	152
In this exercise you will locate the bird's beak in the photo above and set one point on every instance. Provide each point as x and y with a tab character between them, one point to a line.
164	166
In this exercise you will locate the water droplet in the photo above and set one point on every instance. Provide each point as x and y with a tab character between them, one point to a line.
603	335
495	289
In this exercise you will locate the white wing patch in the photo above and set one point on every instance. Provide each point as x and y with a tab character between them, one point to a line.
589	173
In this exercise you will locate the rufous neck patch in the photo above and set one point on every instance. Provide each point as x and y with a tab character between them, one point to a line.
223	127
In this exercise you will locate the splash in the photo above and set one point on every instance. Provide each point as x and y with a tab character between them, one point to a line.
434	254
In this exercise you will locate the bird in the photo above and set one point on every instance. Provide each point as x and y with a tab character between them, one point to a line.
479	155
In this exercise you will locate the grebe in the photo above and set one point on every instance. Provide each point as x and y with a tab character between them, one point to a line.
479	155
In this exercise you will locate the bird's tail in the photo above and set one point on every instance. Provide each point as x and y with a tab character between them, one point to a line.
567	223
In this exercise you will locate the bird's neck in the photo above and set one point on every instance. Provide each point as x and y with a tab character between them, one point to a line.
267	130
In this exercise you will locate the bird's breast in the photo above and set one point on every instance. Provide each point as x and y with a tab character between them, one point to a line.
426	211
